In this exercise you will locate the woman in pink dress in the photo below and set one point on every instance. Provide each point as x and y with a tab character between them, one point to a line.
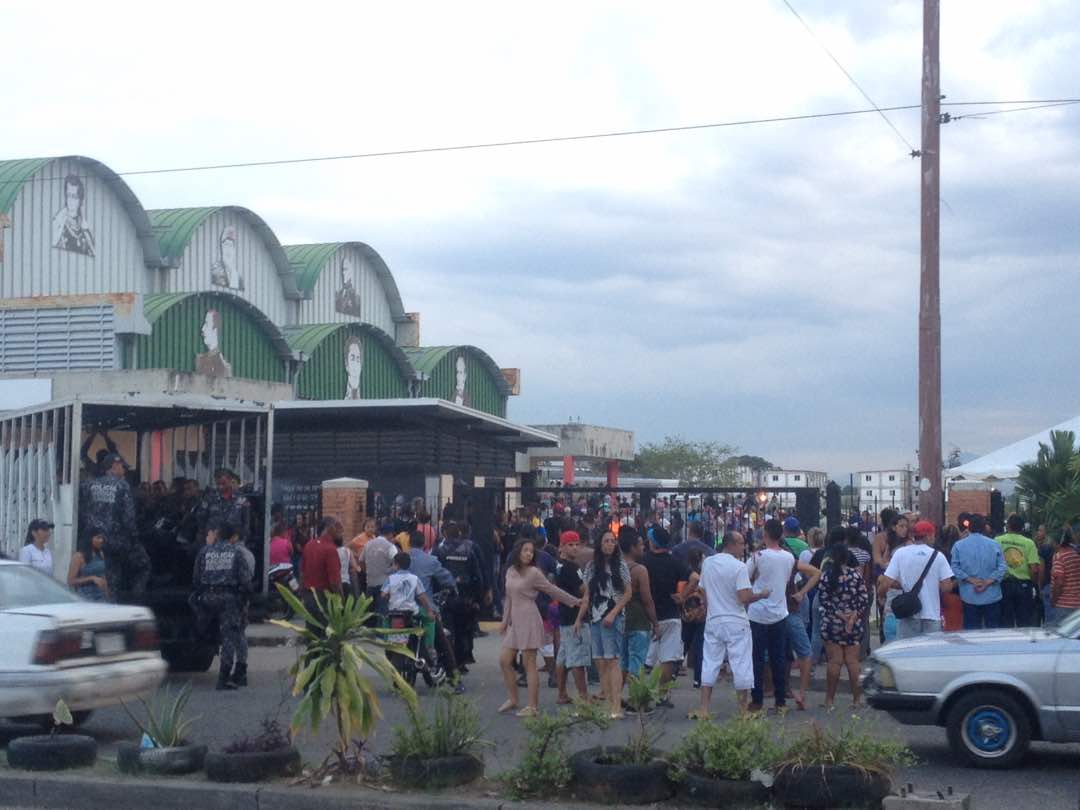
522	627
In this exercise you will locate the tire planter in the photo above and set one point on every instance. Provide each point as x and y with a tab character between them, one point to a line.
176	761
258	766
52	752
440	772
830	786
709	791
596	779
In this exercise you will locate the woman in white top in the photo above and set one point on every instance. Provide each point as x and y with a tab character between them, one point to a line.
35	553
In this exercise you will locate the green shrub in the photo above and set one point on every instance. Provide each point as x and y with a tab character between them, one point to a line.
730	750
852	744
454	728
544	769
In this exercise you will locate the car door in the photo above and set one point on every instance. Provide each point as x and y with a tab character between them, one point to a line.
1067	687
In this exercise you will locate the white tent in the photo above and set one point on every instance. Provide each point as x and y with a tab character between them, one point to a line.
1005	463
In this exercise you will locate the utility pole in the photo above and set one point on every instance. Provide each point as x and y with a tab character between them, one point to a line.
931	498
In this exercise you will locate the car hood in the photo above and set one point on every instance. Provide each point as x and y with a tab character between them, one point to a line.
70	613
965	642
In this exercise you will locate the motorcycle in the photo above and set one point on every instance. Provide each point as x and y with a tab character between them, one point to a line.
277	607
409	667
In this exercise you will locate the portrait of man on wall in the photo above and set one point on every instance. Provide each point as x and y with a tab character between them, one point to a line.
225	271
212	362
354	366
70	229
346	299
461	376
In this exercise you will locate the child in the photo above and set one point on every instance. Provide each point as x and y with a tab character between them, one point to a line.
575	647
405	593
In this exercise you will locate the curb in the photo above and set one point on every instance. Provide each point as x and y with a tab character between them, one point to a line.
75	792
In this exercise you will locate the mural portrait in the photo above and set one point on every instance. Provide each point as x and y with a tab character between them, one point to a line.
461	376
224	272
212	362
70	230
346	299
354	366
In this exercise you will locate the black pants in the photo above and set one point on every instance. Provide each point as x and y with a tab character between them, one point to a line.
1017	603
443	648
462	614
771	638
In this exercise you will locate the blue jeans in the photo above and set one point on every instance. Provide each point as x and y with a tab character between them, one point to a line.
978	617
379	602
635	649
697	647
774	639
817	643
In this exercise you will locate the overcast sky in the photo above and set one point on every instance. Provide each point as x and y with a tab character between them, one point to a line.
753	285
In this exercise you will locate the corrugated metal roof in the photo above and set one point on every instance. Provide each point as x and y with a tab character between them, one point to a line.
13	173
306	339
425	358
157	304
175	226
308	261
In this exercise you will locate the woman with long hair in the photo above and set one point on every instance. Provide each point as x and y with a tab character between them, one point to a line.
693	611
522	627
607	579
35	552
86	574
1064	578
896	535
844	600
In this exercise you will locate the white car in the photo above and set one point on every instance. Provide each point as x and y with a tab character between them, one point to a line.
57	645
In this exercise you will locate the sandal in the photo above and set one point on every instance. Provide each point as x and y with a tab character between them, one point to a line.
697	714
563	701
509	706
800	704
528	711
616	716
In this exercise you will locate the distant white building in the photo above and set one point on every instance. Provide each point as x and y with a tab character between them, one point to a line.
880	488
795	479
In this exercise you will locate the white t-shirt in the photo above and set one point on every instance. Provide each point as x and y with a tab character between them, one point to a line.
773	568
41	559
402	588
722	576
907	564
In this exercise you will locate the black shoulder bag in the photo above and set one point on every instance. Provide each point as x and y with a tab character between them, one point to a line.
908	603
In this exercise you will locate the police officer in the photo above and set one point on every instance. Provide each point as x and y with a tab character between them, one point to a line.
462	559
108	505
224	504
221	583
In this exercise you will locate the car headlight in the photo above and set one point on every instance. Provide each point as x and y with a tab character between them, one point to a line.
884	677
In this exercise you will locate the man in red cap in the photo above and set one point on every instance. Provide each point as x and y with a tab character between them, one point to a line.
908	565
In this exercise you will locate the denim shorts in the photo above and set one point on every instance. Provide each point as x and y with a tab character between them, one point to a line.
797	638
575	649
607	642
635	648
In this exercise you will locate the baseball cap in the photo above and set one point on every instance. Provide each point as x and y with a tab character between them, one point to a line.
569	536
659	537
112	458
791	524
40	523
923	528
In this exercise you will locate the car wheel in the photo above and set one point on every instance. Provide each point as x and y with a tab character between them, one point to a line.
989	728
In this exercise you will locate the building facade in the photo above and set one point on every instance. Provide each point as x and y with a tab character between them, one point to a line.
878	489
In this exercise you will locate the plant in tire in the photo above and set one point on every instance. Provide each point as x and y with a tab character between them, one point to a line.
339	648
544	769
739	749
166	725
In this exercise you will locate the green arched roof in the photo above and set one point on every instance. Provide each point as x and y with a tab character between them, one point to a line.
307	339
14	174
308	262
174	228
157	304
425	358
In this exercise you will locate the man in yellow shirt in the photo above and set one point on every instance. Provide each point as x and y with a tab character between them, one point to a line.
1018	589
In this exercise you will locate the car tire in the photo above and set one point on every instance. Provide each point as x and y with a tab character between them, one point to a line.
52	752
989	728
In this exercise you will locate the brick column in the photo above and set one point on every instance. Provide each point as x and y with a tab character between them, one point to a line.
346	499
975	501
613	473
567	470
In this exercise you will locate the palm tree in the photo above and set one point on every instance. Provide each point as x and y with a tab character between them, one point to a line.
1048	474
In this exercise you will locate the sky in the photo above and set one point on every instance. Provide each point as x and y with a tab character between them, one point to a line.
752	285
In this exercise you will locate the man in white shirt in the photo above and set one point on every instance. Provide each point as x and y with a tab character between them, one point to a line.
770	570
726	582
376	560
905	568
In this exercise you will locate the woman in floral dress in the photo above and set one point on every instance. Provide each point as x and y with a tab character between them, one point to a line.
844	600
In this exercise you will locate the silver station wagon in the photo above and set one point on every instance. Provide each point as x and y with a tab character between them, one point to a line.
993	690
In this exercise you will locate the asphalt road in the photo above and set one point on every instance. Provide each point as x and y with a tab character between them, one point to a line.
1049	780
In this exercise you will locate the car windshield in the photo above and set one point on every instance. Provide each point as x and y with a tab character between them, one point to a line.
1070	625
21	586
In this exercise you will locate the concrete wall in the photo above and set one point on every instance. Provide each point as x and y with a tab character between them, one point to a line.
157	381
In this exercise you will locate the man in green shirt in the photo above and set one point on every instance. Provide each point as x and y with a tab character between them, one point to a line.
791	537
1018	589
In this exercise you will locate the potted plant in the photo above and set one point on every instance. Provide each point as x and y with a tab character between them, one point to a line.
340	646
849	767
52	751
269	754
164	748
727	764
634	773
440	752
544	769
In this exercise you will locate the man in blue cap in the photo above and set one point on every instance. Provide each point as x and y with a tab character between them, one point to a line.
798	637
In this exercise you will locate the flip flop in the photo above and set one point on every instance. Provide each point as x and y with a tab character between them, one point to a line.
507	707
563	702
800	704
528	711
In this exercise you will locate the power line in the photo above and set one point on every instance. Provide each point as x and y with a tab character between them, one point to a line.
851	78
985	114
1034	105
